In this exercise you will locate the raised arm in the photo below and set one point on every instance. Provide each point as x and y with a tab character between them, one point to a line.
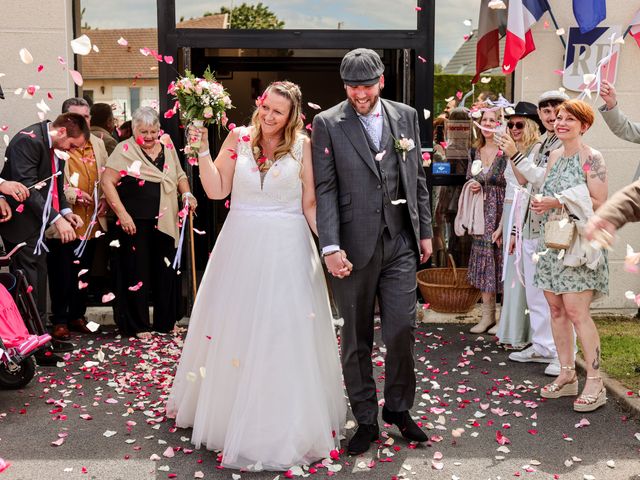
217	176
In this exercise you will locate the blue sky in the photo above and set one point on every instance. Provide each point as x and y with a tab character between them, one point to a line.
372	14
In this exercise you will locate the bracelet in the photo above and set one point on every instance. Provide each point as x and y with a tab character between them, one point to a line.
326	254
206	153
187	194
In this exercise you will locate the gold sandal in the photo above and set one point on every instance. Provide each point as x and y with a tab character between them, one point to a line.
554	390
589	403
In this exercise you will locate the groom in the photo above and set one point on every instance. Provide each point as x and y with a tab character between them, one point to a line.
373	204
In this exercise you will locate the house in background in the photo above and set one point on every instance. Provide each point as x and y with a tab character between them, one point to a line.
121	75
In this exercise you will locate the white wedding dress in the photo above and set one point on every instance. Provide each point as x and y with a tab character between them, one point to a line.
259	377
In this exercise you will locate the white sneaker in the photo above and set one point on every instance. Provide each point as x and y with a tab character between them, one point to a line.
529	355
553	369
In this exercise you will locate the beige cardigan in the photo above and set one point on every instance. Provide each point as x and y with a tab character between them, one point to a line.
123	158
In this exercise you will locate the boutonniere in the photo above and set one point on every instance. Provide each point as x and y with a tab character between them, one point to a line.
403	145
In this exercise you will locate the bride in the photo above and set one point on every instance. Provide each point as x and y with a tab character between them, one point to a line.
259	377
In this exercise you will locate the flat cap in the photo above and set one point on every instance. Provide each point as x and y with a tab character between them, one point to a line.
361	66
556	95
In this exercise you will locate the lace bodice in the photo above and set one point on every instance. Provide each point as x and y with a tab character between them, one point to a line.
281	189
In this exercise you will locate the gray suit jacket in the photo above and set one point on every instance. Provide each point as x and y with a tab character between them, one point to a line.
349	193
621	126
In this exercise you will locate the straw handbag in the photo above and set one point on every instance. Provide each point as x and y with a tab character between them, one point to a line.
559	232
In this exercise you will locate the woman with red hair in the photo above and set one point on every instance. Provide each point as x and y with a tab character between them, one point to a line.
576	183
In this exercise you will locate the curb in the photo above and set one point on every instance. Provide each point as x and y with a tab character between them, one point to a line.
616	390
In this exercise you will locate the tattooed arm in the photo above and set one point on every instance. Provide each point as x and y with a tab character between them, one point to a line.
597	179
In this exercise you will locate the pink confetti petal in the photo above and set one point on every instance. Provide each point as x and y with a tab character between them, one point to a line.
76	77
136	287
107	297
168	59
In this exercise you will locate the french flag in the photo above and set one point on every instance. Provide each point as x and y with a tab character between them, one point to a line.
634	28
523	14
491	26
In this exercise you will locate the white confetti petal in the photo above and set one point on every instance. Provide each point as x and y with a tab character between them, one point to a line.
25	56
81	45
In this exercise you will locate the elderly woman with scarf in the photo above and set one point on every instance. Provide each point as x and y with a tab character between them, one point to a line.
141	182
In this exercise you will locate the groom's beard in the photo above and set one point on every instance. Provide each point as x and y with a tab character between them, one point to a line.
364	108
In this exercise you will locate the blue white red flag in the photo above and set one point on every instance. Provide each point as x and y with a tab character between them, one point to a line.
523	14
589	13
634	27
491	23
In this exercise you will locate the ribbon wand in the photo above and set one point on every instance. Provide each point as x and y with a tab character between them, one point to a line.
193	255
42	183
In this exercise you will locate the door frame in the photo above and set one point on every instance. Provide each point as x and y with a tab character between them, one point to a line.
420	41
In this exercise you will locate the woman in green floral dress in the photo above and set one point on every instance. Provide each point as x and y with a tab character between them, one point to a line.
571	279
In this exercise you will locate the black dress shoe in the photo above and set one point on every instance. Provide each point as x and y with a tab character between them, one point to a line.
362	439
405	423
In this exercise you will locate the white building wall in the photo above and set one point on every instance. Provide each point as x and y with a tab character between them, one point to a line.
534	75
46	33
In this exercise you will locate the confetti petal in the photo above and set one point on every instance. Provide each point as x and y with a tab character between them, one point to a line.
25	56
81	45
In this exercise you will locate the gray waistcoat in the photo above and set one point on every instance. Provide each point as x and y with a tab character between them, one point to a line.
394	217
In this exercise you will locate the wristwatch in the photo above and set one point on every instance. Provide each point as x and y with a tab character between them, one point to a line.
326	254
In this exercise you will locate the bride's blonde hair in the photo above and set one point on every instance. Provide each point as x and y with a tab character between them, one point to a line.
294	126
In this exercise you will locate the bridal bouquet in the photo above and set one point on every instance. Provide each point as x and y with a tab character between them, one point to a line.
202	101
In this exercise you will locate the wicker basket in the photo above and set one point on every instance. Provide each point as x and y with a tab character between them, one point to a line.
447	289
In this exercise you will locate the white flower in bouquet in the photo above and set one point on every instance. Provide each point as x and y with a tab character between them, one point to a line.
202	101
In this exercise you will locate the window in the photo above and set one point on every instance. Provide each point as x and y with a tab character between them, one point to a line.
280	14
134	93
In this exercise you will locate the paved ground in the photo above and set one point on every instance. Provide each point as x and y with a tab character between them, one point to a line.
106	413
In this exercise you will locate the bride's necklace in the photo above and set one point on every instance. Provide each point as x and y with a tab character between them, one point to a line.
262	152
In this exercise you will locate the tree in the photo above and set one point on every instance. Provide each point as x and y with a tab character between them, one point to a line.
254	17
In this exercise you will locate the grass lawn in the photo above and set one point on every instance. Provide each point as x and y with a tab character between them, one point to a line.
620	340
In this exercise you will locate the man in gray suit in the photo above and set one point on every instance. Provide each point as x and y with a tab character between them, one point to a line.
374	223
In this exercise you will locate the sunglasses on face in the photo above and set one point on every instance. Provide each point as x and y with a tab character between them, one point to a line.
518	125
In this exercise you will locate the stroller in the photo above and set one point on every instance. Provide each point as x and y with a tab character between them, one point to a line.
21	330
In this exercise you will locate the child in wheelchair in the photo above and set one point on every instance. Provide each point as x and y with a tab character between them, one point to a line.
18	340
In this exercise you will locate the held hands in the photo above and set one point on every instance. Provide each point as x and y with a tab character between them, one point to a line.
14	189
338	264
544	204
608	94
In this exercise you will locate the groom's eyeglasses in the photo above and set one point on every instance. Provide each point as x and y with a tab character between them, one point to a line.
518	125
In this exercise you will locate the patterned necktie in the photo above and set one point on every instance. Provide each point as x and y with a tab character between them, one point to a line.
369	123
